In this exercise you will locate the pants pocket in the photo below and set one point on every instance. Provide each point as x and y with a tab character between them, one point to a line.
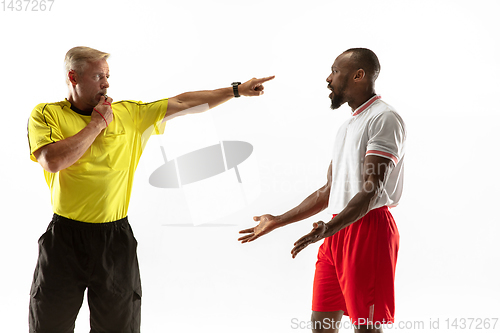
137	300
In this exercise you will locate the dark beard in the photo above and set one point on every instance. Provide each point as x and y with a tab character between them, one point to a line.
336	102
338	95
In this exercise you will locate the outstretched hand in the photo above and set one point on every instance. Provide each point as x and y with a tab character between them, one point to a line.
253	87
267	223
317	233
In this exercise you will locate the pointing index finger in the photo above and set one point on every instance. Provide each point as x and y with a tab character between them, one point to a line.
265	79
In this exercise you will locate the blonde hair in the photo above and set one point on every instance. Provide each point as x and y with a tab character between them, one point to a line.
76	59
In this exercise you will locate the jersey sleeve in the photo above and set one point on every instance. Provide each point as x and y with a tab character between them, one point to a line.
386	136
42	129
149	116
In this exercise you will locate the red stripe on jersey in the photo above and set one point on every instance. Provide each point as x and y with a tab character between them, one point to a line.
383	153
367	105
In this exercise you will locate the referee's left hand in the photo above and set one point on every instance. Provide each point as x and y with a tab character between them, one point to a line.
318	232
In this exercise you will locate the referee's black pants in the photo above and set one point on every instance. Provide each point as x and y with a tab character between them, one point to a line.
74	256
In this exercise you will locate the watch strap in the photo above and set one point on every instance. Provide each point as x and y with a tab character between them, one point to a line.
235	88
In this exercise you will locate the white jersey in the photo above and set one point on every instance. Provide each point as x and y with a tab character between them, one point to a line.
374	129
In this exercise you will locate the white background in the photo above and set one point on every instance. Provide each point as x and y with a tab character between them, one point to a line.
439	70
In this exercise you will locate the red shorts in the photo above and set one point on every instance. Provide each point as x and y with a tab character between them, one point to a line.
355	270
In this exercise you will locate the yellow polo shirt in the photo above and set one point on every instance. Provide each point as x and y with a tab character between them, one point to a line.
97	187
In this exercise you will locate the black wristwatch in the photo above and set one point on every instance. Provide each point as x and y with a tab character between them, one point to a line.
235	88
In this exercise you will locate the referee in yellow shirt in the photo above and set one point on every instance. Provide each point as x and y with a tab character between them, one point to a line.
89	148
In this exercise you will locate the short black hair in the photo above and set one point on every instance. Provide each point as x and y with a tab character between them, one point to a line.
365	59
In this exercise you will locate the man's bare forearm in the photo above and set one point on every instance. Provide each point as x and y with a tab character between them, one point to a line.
357	207
62	154
57	156
192	99
365	199
312	205
211	97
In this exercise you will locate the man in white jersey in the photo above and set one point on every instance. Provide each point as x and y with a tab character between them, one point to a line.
357	260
